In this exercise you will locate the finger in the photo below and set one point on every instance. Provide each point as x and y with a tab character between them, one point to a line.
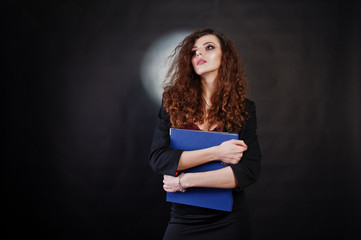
168	189
165	181
244	144
239	150
243	149
166	177
240	143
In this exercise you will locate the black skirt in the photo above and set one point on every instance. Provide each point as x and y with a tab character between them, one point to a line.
189	223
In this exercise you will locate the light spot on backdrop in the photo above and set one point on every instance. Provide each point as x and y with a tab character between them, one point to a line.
155	63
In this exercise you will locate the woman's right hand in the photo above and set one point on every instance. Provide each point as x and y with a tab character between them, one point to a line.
231	151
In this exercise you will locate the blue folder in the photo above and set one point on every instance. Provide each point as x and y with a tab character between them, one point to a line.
214	198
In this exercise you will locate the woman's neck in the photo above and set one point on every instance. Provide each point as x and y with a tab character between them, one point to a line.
209	88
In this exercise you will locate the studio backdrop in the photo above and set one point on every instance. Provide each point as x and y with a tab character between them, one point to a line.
82	94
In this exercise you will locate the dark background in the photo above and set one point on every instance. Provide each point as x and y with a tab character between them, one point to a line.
79	123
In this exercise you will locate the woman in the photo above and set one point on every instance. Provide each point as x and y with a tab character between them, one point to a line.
206	91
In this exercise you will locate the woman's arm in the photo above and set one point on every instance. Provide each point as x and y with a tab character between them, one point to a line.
239	175
229	152
162	158
221	178
247	171
165	160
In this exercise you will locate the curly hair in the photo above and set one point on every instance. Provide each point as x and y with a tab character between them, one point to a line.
182	97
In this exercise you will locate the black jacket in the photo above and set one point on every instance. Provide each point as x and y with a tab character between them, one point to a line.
164	160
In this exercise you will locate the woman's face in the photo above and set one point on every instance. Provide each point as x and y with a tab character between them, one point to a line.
206	55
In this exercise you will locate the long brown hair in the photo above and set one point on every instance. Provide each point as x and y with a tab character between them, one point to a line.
182	98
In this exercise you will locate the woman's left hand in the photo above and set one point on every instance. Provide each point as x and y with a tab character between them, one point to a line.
170	183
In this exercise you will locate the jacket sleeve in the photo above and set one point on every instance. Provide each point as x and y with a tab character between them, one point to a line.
247	170
162	158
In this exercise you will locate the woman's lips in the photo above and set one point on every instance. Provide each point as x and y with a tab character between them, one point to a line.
201	61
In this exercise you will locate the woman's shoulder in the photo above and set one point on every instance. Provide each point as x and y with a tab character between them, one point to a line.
163	112
250	104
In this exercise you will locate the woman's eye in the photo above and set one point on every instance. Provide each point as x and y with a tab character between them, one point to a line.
210	47
193	52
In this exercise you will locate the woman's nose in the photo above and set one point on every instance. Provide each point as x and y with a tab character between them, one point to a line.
198	52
